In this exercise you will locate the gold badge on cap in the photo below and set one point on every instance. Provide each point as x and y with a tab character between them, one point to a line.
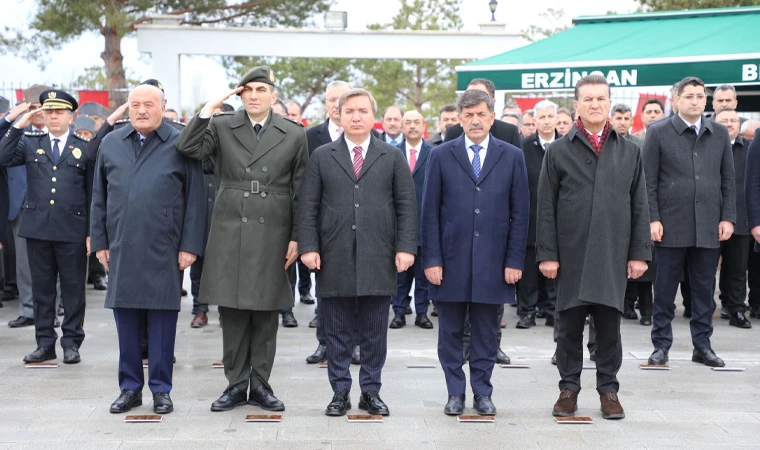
51	94
40	151
271	76
77	153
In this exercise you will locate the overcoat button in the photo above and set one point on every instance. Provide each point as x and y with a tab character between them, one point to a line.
264	169
247	170
246	194
245	219
263	194
353	227
261	220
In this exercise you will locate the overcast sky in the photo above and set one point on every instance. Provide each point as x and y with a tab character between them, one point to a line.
202	78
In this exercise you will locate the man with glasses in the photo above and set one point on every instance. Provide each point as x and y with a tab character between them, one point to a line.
689	168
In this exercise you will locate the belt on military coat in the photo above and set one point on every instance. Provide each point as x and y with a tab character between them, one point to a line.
256	187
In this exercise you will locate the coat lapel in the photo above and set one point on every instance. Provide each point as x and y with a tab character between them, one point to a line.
269	137
324	133
460	153
340	153
373	153
243	130
45	144
424	151
493	154
67	148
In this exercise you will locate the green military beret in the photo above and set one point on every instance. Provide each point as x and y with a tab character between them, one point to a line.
262	74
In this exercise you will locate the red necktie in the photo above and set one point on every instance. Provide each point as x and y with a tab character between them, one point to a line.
358	161
412	159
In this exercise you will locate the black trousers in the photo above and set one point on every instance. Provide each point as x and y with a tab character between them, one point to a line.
196	270
338	320
96	270
641	291
48	260
702	264
9	263
591	332
609	349
300	271
753	277
733	272
534	290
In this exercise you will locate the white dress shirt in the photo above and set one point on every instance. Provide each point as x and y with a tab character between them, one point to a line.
698	124
543	142
262	123
364	145
409	153
471	154
333	129
61	143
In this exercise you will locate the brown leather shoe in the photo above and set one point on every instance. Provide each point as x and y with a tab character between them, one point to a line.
611	407
199	321
567	404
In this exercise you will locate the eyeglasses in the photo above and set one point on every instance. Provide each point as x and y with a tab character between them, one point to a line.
690	97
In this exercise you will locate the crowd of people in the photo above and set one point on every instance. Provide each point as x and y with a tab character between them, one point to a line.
564	214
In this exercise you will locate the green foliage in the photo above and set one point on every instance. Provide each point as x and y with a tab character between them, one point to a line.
673	5
551	17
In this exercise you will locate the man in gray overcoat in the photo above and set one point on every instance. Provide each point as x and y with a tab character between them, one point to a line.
261	158
147	219
358	227
592	233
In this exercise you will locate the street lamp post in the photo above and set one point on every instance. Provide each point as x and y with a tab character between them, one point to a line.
492	5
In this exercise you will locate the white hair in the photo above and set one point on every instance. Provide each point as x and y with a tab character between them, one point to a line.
160	92
337	84
545	104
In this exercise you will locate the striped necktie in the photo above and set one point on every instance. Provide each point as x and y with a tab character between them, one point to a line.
358	161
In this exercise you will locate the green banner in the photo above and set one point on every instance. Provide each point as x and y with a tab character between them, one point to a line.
711	72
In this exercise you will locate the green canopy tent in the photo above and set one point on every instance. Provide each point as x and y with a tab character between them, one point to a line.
656	49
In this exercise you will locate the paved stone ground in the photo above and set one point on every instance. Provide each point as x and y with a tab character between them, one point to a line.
689	406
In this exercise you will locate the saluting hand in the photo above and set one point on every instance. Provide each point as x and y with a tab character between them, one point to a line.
512	276
549	269
404	261
311	260
186	260
434	275
17	110
212	105
26	119
104	256
725	230
292	254
116	115
636	269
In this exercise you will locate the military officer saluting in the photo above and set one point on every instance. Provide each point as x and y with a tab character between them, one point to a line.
55	225
261	159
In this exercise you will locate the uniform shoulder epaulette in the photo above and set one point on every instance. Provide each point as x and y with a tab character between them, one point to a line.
120	123
224	113
177	122
81	138
35	133
291	120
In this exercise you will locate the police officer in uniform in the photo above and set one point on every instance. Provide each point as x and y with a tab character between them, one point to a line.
59	190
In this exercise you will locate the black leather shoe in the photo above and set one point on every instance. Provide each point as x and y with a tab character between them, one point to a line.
320	355
483	405
738	320
126	401
371	402
265	399
99	284
687	313
162	403
435	311
501	357
754	313
408	310
455	405
231	398
526	321
422	321
541	314
184	292
466	353
659	357
21	321
549	321
399	321
707	357
356	356
307	299
630	314
724	313
341	402
289	320
40	355
314	322
71	355
646	320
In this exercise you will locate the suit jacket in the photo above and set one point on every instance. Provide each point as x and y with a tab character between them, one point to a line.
752	186
502	131
534	152
592	217
58	193
435	140
690	181
418	175
357	226
740	148
16	177
475	228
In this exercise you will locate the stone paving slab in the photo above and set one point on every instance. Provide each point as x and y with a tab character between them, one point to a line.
688	407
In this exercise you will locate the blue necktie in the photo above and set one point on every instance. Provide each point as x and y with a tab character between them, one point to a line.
393	142
476	160
56	150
